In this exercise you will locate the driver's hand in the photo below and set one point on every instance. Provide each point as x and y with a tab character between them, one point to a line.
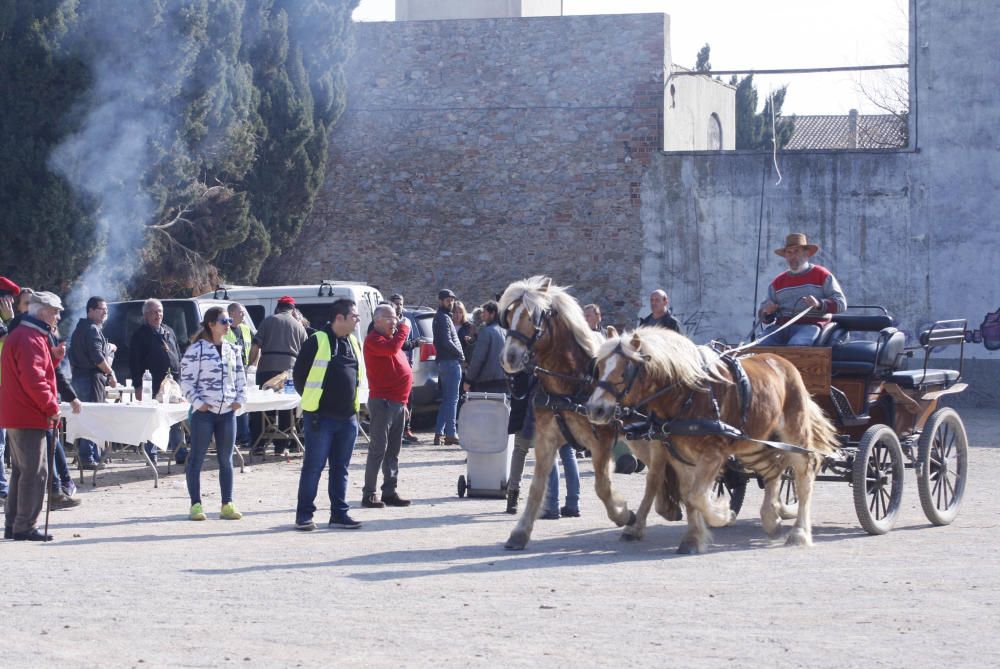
769	308
810	301
76	405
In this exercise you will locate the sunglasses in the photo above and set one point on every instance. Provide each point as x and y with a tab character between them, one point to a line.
225	321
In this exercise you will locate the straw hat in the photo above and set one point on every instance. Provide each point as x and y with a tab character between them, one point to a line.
797	239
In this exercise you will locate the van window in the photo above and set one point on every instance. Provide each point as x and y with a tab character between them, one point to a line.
256	312
365	314
318	314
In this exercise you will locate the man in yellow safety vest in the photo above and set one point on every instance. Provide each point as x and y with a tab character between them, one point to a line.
327	374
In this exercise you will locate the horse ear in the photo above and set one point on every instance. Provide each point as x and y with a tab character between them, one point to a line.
610	331
636	341
546	282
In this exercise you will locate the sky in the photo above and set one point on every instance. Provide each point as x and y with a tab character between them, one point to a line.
769	34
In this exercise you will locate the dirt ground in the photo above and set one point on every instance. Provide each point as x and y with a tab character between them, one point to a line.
130	582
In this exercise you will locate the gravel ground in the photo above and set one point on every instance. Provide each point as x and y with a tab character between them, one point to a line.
130	582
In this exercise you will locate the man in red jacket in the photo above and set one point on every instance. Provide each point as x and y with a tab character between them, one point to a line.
29	408
389	382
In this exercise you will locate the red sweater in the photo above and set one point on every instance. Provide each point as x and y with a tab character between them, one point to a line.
389	373
28	396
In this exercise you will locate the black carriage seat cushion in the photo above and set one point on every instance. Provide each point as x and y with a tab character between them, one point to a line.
916	378
830	333
857	358
856	323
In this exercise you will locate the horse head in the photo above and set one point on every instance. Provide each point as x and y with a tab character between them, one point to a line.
650	363
535	312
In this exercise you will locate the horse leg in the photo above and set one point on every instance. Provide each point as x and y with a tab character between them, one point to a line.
801	533
715	511
545	451
655	474
698	536
614	504
770	511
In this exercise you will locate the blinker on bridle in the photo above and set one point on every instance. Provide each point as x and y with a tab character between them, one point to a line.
631	374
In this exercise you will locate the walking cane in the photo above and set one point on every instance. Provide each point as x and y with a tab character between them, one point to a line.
51	442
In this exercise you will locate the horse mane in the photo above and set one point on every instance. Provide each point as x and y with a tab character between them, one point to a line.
667	356
538	295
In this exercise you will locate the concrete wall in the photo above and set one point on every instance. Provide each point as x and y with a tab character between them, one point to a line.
485	151
689	105
912	230
428	10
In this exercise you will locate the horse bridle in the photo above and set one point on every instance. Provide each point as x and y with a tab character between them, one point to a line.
631	374
538	322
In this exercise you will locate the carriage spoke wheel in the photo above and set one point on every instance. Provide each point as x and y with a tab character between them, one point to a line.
877	476
942	452
732	484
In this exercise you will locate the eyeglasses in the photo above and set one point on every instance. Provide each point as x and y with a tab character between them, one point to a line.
225	321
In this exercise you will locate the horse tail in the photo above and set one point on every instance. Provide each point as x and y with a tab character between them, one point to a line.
822	434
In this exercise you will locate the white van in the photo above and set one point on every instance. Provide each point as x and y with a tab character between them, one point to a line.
312	300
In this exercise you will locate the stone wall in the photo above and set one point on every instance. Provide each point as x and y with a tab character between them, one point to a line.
475	153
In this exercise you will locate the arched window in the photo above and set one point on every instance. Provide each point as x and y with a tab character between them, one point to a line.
714	133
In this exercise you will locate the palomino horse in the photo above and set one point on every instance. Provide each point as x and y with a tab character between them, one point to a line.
685	391
548	334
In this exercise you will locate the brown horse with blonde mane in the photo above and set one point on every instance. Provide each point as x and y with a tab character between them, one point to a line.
547	333
684	389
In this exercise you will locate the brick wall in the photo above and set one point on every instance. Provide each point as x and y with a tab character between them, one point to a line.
473	153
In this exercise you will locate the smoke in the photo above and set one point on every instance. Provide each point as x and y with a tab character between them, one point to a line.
126	120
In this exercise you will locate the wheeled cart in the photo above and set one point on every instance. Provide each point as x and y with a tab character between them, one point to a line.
482	429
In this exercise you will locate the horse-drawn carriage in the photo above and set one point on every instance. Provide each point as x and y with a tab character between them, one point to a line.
886	415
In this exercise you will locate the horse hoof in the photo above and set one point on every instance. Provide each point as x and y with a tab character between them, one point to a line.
689	547
631	519
773	532
629	536
732	518
797	537
517	541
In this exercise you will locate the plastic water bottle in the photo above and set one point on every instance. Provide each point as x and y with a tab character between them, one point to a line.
289	383
251	376
147	388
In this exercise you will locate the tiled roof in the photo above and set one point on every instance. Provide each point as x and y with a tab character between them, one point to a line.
876	131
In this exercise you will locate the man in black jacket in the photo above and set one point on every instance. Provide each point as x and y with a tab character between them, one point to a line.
154	347
449	364
90	363
659	305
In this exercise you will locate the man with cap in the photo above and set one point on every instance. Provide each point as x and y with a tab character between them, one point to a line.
396	300
449	363
803	285
29	409
274	350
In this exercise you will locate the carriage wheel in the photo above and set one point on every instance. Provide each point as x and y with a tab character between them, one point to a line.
734	486
877	476
786	492
942	452
461	486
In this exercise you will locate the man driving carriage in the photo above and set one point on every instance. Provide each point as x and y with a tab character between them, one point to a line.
803	285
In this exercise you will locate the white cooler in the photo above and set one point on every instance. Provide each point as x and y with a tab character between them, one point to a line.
482	430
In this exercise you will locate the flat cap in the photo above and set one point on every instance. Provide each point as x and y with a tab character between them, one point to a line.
444	292
46	298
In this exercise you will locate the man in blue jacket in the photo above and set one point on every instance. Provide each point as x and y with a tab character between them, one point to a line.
449	362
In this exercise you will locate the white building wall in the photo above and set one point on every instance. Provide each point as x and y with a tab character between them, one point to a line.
432	10
692	106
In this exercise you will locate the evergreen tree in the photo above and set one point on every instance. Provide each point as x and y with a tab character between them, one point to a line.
753	130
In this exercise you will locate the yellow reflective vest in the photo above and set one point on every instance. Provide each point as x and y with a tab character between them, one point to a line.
247	336
317	373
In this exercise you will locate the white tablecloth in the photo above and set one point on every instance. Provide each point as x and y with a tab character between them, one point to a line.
132	424
265	400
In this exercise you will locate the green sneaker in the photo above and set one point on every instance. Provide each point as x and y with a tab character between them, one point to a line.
229	512
197	513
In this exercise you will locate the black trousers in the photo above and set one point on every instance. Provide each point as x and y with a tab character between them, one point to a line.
257	419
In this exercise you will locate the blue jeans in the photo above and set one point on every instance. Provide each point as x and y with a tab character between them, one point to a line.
449	376
4	486
87	451
572	475
61	475
328	440
175	439
205	425
243	429
793	335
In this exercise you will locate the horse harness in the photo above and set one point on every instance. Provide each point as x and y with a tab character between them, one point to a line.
653	428
556	403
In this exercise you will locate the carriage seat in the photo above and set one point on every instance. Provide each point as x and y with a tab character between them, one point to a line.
917	378
865	358
841	325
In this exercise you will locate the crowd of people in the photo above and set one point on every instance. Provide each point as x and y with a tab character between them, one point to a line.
326	366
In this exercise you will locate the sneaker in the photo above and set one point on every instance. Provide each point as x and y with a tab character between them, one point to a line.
305	526
197	513
512	496
69	488
345	522
550	515
394	500
371	502
437	439
92	466
229	512
452	441
61	501
567	512
410	438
